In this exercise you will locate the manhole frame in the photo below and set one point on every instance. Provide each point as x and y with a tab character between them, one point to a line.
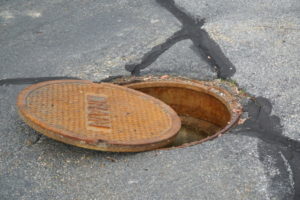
213	88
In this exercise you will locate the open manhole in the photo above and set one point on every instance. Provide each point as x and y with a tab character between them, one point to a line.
206	110
143	114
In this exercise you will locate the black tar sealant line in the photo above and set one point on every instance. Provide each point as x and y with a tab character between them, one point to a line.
155	52
266	127
208	49
260	124
32	80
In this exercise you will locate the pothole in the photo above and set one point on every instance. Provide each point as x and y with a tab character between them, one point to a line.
206	110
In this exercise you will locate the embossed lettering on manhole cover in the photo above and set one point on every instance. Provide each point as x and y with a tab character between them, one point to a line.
98	116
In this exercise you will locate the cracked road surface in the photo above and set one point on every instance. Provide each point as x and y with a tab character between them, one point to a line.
255	44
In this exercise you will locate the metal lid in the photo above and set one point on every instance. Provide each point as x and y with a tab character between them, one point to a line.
98	116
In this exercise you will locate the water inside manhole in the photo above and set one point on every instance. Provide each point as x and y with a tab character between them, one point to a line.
194	132
206	111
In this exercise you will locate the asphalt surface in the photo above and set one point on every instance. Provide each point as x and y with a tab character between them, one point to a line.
255	44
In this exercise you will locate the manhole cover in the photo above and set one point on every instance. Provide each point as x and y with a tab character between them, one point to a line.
98	116
206	110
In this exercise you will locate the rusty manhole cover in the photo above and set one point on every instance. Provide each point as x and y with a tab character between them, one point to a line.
98	116
206	110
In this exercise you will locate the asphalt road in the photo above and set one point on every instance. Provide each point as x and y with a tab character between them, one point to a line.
252	43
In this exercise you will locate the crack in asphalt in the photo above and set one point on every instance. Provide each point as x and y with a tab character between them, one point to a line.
38	138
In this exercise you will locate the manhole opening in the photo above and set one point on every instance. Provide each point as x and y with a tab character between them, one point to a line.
206	111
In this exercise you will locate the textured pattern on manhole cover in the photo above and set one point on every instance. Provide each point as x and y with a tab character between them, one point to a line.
98	116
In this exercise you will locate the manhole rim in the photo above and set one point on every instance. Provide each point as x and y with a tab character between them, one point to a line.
209	87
